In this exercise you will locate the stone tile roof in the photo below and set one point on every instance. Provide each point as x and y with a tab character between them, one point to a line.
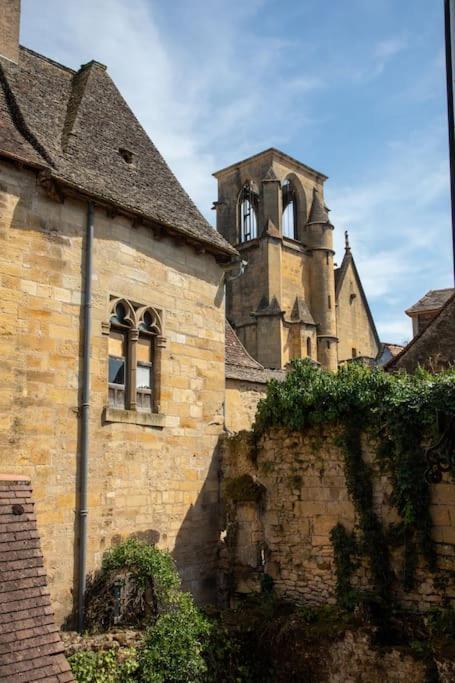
30	645
77	126
434	347
318	212
240	365
432	301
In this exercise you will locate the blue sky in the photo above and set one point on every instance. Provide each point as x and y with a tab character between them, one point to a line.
354	88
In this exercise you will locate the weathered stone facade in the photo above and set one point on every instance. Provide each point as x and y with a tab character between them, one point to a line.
156	482
289	302
286	534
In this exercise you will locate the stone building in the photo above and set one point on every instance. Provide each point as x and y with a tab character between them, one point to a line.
427	308
86	199
290	301
118	373
433	346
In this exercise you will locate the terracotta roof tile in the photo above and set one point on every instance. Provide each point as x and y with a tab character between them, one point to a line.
30	645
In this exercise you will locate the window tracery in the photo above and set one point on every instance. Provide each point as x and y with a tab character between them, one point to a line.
135	350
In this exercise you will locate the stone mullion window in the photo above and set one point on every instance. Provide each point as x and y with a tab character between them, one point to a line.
133	336
136	345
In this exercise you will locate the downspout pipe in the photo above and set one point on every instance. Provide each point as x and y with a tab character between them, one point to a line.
85	415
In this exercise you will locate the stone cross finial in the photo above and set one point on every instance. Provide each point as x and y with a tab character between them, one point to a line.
347	246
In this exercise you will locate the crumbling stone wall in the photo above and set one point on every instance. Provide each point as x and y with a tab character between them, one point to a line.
284	534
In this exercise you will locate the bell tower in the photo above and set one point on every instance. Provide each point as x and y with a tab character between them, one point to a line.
271	208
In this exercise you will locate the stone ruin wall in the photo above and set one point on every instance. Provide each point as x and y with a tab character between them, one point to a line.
286	535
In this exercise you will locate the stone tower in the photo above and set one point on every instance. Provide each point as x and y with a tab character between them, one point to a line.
271	207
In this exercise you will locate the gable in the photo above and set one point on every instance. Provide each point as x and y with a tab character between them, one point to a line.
355	325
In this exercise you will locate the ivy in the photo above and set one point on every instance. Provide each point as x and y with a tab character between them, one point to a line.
344	548
402	412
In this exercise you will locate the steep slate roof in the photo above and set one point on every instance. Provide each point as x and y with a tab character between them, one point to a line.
340	273
240	365
73	123
30	645
432	301
436	341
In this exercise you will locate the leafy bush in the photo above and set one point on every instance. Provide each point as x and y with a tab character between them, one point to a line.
173	646
104	666
176	631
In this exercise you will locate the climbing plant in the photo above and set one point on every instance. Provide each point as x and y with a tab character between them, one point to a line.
402	411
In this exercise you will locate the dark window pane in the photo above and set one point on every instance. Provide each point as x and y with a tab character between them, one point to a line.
116	370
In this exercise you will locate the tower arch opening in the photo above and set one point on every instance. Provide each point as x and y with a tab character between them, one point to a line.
247	213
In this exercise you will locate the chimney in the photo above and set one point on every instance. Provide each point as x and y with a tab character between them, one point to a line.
10	12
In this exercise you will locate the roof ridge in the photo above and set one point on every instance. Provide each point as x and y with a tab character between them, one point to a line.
47	59
392	362
19	120
78	85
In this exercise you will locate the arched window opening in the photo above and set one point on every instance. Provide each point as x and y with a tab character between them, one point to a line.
248	208
135	351
121	321
308	347
289	220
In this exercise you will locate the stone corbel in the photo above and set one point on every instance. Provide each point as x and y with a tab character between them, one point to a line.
50	187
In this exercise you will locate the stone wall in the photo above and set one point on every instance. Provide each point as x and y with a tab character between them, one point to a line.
286	533
156	482
241	402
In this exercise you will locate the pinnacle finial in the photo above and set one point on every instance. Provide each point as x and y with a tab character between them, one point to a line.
347	246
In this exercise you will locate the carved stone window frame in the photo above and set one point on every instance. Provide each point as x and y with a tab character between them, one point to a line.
139	321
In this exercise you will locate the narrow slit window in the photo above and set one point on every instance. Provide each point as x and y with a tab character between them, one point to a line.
308	347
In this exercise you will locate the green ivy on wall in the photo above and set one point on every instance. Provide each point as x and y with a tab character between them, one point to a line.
402	412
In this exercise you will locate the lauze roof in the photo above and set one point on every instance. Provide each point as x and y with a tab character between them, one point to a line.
30	645
76	125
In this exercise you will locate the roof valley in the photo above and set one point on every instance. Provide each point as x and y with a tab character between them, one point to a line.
78	86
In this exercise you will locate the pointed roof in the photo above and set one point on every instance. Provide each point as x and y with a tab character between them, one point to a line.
267	307
340	274
301	312
240	365
78	128
318	212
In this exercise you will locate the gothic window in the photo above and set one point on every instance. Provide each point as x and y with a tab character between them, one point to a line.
248	209
289	220
135	344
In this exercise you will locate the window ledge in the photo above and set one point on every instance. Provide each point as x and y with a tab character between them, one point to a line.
134	417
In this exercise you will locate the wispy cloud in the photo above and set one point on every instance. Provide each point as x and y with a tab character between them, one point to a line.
211	87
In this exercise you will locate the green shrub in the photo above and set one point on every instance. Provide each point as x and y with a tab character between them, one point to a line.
173	646
104	666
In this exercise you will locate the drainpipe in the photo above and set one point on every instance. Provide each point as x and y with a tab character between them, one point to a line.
85	412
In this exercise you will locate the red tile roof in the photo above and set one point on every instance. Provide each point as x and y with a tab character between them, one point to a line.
30	645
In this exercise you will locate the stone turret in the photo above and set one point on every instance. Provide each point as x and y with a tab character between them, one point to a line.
270	207
318	236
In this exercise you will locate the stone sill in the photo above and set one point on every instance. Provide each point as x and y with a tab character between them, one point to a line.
134	417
